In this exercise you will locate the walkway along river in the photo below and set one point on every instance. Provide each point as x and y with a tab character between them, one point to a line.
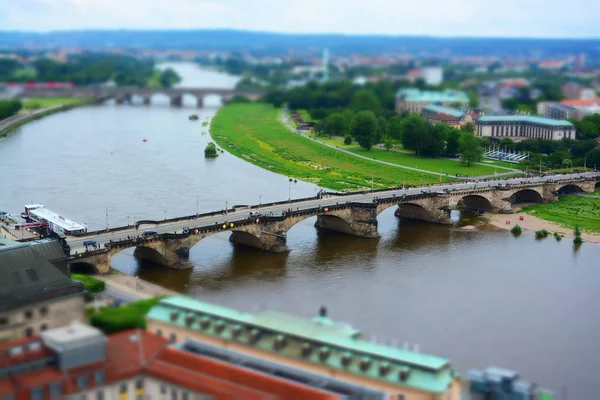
479	298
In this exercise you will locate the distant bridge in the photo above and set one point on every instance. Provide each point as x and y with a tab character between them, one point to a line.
126	94
351	213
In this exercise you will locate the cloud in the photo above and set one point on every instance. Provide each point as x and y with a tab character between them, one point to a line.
538	18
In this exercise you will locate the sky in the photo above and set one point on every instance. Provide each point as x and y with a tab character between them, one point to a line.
503	18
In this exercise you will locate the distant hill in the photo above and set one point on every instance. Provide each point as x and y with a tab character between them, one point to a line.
275	43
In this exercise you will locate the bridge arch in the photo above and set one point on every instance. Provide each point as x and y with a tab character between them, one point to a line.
569	188
150	254
526	196
247	239
334	223
475	201
597	185
83	267
413	211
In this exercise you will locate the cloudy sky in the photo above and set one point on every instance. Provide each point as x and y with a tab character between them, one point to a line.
531	18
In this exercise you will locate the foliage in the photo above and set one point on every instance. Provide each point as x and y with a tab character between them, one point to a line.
169	77
210	151
473	99
388	142
9	107
570	211
394	127
507	143
593	158
348	140
470	150
516	230
239	99
576	231
541	234
128	316
35	103
253	133
452	143
365	100
557	236
577	240
468	127
90	284
364	128
335	125
413	129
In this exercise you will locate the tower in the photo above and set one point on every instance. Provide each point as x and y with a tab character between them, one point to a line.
325	65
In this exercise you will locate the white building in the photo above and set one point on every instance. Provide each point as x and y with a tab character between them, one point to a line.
524	127
433	76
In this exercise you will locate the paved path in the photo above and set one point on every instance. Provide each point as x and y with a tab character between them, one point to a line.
218	218
123	288
10	121
285	121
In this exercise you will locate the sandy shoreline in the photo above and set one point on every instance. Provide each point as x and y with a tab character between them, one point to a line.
531	223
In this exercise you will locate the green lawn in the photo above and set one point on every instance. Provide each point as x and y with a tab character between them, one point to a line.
438	165
570	211
254	133
305	116
35	103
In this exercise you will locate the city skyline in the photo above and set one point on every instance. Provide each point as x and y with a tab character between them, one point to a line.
457	18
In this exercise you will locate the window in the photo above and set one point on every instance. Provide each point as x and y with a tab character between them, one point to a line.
3	321
163	389
32	274
29	332
43	327
173	337
55	389
44	311
173	394
83	381
123	388
185	396
34	346
99	377
28	314
139	384
83	397
37	393
100	395
159	332
400	397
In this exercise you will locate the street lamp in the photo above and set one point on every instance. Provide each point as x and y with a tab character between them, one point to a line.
290	190
165	215
259	201
128	220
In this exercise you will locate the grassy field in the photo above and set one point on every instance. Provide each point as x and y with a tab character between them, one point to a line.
35	103
254	133
438	165
570	211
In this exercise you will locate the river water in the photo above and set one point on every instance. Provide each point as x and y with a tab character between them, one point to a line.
478	298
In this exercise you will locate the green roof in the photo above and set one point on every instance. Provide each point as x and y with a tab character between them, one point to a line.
427	372
444	96
525	119
444	110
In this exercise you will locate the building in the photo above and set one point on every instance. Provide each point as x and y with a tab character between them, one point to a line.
435	114
318	346
524	127
413	100
577	92
569	108
80	362
36	293
433	76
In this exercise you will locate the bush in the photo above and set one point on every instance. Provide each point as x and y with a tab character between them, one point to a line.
557	236
348	139
90	284
541	234
578	240
577	232
132	315
516	230
210	151
9	107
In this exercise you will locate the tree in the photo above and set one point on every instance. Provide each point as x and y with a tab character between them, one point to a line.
434	141
394	128
586	129
473	99
507	143
414	129
129	316
169	77
452	142
9	107
388	142
365	100
320	127
210	151
468	127
335	124
593	158
470	150
348	140
567	163
364	128
382	130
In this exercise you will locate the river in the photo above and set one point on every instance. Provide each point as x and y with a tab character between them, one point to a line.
478	298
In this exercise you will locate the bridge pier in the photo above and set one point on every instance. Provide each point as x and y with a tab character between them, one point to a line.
360	219
99	262
275	242
177	100
124	98
147	99
199	101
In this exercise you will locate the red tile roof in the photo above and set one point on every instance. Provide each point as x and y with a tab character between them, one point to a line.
581	102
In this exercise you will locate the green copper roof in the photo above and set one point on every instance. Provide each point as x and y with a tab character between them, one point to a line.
524	119
319	340
445	96
444	110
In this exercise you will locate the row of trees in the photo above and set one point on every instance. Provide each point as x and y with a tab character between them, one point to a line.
86	69
8	108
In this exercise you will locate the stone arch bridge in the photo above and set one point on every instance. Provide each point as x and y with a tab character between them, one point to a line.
125	94
269	233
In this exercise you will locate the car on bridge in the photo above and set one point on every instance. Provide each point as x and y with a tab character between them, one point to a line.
149	233
89	243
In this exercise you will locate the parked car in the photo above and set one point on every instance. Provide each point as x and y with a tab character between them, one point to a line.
89	243
149	233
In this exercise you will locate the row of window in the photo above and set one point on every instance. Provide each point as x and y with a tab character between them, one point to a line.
56	389
28	315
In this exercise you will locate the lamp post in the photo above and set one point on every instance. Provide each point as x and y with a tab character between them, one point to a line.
290	190
128	220
259	201
197	200
106	218
226	206
165	215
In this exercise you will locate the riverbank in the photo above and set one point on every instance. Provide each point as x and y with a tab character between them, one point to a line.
533	223
10	124
127	284
254	133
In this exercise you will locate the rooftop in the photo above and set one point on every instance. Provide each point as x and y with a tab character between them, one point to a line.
71	336
444	110
40	211
423	371
581	102
525	119
445	96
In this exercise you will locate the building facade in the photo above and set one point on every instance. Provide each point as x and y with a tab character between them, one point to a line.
414	100
524	127
81	363
38	294
435	114
318	346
